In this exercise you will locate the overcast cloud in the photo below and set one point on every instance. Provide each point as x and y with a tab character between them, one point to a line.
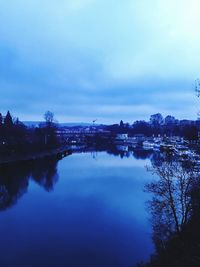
99	59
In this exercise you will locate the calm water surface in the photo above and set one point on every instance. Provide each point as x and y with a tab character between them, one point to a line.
88	211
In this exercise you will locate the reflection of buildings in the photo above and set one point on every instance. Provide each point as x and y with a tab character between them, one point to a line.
122	148
14	179
125	139
121	137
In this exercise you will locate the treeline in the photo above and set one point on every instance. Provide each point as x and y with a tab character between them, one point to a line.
157	125
16	137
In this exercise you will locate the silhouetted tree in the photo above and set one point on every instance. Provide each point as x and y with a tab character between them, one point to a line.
169	119
1	119
49	130
175	211
141	127
156	119
190	132
171	193
121	124
8	121
49	117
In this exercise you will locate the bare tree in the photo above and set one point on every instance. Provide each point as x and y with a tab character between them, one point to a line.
49	117
175	214
50	128
171	204
197	87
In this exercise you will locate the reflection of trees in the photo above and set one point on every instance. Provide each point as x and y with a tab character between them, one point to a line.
175	215
13	184
123	150
45	173
142	153
128	151
119	150
158	158
14	179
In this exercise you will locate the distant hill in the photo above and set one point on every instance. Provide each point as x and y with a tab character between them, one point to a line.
70	124
73	124
31	123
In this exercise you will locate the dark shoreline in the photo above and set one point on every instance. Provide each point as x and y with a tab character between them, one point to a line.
52	153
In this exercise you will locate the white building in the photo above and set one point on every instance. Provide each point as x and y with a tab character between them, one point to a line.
122	137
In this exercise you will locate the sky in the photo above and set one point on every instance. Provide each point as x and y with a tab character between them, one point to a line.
99	59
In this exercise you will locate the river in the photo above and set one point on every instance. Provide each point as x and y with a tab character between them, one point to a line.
86	210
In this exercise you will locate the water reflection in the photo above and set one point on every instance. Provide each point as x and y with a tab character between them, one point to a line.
14	179
108	201
175	213
126	151
95	215
45	173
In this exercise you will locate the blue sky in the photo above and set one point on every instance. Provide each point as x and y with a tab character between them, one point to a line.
99	59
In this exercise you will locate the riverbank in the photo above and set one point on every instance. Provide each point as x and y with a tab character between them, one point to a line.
16	157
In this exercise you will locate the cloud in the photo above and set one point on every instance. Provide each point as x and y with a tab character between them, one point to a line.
112	58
